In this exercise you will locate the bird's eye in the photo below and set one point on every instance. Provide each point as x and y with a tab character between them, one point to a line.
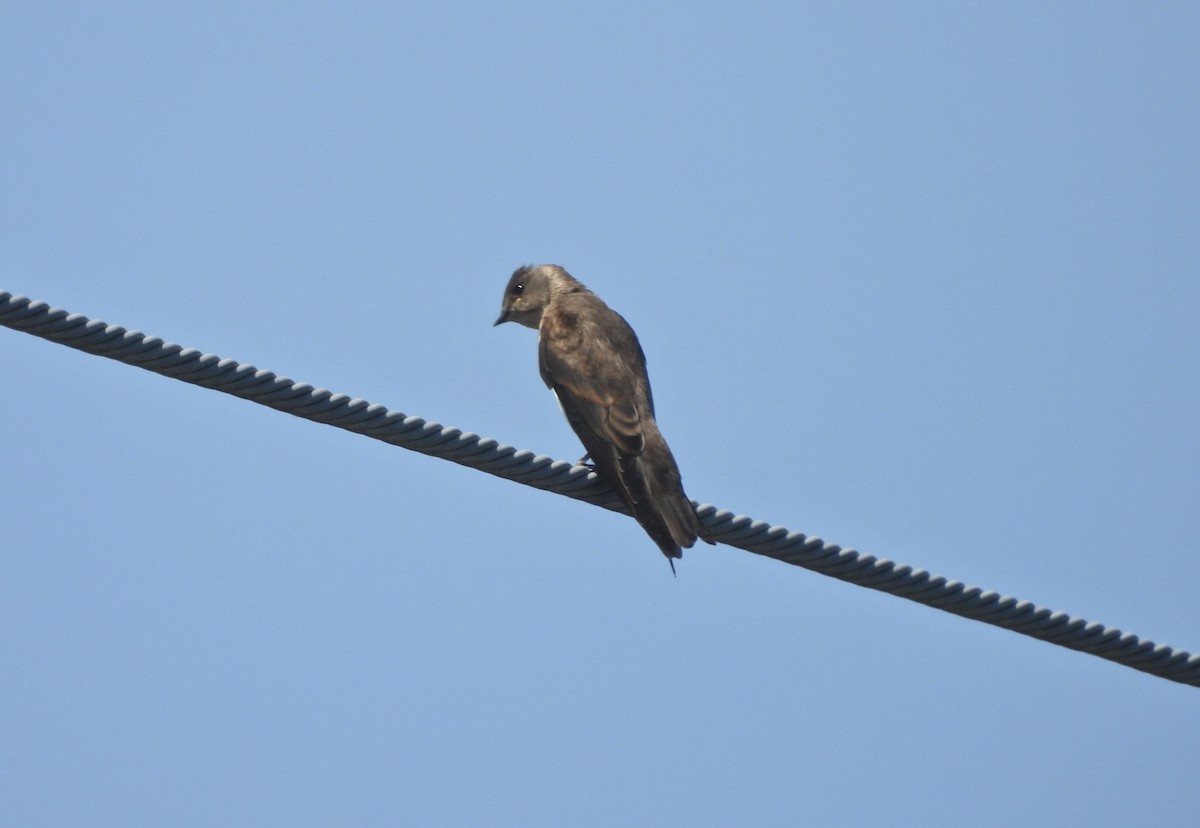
518	289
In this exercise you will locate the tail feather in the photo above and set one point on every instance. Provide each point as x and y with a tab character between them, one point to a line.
669	511
649	484
646	505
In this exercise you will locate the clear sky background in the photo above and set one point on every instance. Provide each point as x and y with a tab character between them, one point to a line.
921	279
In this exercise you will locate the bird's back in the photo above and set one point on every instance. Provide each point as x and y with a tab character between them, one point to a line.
591	358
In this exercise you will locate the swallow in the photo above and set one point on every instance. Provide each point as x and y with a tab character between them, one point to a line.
592	360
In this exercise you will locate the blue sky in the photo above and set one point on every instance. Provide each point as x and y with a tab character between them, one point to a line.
921	280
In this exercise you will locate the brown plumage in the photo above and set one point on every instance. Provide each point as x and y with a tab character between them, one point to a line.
592	360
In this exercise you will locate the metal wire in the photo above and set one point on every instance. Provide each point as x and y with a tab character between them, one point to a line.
561	477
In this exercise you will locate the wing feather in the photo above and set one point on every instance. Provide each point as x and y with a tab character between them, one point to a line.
593	361
590	356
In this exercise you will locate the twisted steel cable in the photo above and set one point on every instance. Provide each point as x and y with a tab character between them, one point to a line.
559	476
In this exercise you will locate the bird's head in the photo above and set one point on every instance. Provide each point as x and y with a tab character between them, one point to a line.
528	293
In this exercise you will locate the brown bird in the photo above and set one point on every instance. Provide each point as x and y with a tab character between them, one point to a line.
592	360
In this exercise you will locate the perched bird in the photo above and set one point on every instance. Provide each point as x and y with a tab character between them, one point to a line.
592	360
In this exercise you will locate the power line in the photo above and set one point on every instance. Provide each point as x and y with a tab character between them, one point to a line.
542	472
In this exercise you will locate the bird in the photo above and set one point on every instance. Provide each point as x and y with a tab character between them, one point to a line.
589	356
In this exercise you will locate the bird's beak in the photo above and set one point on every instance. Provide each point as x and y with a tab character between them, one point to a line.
502	318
